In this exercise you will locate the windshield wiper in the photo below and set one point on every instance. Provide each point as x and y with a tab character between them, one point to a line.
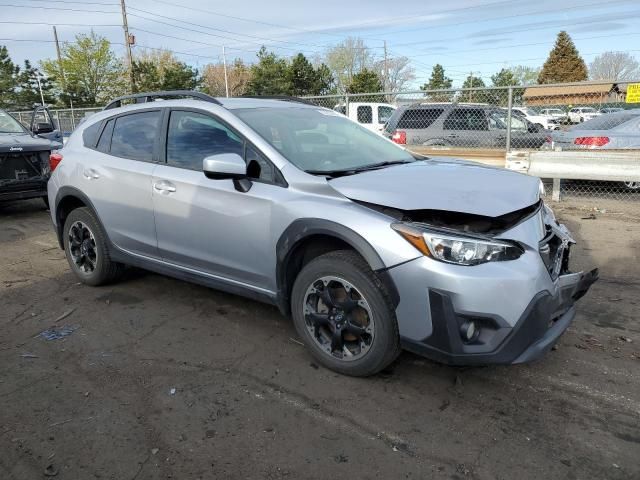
363	168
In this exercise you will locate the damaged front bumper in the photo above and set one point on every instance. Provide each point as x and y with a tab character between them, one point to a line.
517	309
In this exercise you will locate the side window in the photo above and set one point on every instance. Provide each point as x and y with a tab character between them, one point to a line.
134	135
419	118
384	114
194	136
258	167
365	114
466	119
90	135
104	144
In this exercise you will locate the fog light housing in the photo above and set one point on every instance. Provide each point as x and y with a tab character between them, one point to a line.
469	331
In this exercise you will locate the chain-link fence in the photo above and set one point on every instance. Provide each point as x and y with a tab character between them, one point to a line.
66	119
483	124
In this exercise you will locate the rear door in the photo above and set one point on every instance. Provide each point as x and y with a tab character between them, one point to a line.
117	174
468	127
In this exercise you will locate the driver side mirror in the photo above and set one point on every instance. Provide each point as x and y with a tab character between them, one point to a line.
43	127
227	166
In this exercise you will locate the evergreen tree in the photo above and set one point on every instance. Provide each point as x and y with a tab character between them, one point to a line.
365	81
28	91
269	76
504	78
438	81
302	76
475	96
8	79
564	63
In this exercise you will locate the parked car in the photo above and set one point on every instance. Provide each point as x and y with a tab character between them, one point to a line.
556	113
368	247
370	115
25	160
614	131
582	114
542	121
460	125
611	110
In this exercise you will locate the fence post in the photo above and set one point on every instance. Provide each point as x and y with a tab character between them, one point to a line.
346	104
555	194
509	109
57	114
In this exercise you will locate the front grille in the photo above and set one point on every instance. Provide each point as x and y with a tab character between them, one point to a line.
554	250
20	167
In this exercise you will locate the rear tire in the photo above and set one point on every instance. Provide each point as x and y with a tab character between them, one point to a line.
366	335
85	245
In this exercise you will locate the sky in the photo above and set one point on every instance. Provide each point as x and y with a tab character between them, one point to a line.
463	35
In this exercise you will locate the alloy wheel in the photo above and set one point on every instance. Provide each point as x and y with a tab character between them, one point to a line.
82	247
632	185
339	318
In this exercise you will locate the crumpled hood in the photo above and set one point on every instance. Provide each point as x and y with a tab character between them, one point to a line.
442	184
23	142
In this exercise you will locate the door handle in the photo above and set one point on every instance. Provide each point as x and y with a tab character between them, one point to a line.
90	174
164	187
452	135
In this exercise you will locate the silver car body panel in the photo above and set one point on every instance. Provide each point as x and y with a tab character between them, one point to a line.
207	228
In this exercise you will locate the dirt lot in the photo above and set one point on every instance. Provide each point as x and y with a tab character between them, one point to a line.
249	402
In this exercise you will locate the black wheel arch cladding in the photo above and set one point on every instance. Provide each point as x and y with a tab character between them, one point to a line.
302	229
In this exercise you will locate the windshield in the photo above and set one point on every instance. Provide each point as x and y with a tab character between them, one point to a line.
8	124
318	140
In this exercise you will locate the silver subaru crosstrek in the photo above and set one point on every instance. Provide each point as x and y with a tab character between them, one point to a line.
368	247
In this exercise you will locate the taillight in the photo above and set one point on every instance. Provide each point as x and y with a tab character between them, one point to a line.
591	141
399	137
54	160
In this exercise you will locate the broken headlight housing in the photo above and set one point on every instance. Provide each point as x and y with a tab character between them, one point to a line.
456	247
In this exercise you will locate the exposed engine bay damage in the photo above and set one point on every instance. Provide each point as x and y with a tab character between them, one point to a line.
16	167
464	222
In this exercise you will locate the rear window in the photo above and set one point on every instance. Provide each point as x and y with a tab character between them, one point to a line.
606	122
134	135
419	118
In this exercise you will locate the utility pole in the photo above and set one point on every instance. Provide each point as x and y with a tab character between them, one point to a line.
224	63
63	80
471	85
127	43
386	68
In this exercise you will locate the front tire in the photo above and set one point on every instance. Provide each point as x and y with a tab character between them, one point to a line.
344	314
86	249
631	186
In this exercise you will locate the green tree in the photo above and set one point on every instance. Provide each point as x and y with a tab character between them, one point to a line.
93	74
28	91
304	79
438	81
347	59
8	79
504	78
366	81
325	80
269	76
475	96
161	70
525	75
564	63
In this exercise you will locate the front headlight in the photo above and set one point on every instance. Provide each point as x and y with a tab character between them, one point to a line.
460	249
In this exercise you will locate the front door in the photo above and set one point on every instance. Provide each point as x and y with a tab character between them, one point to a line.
207	225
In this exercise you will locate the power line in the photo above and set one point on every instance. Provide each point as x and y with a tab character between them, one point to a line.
216	29
13	22
82	3
543	27
54	8
596	4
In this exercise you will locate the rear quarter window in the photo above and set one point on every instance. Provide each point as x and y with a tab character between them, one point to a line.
90	135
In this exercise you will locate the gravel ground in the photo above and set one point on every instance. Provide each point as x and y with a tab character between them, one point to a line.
163	379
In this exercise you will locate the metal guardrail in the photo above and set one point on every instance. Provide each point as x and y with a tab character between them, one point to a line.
610	166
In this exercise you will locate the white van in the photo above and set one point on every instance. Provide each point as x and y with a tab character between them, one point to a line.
371	115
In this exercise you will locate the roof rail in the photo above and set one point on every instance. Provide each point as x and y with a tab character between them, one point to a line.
149	96
284	98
